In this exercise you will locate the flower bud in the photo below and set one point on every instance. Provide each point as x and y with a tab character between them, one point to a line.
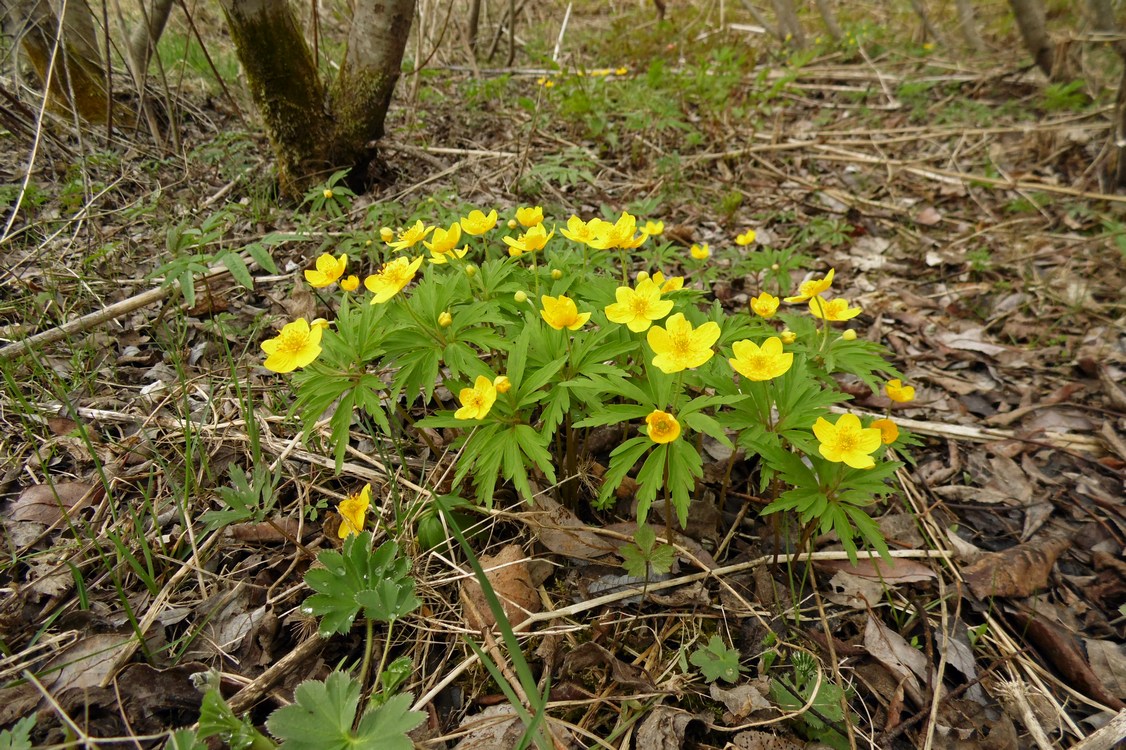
386	234
788	336
521	297
327	192
367	243
775	267
556	274
350	284
849	334
471	270
502	383
512	223
445	319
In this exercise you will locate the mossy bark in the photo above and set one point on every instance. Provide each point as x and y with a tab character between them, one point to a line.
286	88
362	92
77	77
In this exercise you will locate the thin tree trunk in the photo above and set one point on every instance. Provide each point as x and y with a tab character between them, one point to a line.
285	85
74	77
788	22
928	25
472	21
368	74
143	40
967	24
1032	23
830	20
760	19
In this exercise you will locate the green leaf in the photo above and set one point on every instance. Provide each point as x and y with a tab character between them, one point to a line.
388	600
716	661
237	266
216	719
19	736
181	739
644	557
321	716
260	255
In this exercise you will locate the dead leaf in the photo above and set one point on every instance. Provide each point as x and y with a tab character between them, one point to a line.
972	340
743	700
890	649
1016	572
508	574
46	503
1108	662
266	533
755	740
853	591
563	533
964	725
898	570
664	728
590	655
928	217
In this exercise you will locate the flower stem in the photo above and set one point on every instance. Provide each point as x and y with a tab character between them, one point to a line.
369	638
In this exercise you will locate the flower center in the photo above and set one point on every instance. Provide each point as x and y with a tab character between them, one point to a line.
682	344
293	342
639	305
846	442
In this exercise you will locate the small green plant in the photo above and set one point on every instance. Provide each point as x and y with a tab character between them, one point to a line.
332	198
825	717
18	736
980	259
716	661
248	499
643	557
1065	96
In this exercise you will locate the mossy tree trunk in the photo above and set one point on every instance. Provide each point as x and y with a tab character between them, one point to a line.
69	65
315	130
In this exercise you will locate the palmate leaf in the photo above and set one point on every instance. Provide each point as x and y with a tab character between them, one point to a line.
716	661
321	716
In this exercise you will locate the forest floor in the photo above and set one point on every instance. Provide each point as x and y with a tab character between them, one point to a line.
958	199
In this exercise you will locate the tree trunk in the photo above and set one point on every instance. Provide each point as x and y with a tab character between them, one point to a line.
1033	29
371	67
788	22
967	23
286	88
74	77
143	40
830	20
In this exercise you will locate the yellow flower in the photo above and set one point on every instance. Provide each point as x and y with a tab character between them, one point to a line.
812	288
529	242
478	223
671	284
386	234
296	345
476	401
662	427
511	223
350	284
440	259
444	240
621	71
849	334
654	228
889	431
580	231
411	236
556	274
638	308
545	82
502	384
392	278
847	441
788	336
898	392
760	363
353	511
746	238
445	320
320	323
529	217
618	235
327	192
679	346
700	252
561	312
765	305
328	270
832	309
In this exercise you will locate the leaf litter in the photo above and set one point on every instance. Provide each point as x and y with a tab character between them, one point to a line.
1008	321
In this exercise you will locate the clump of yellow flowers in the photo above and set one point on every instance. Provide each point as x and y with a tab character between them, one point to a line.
546	330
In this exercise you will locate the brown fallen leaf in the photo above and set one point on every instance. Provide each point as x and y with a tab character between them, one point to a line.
508	574
755	740
1017	572
743	700
889	648
1060	649
898	570
46	503
590	655
563	533
664	728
